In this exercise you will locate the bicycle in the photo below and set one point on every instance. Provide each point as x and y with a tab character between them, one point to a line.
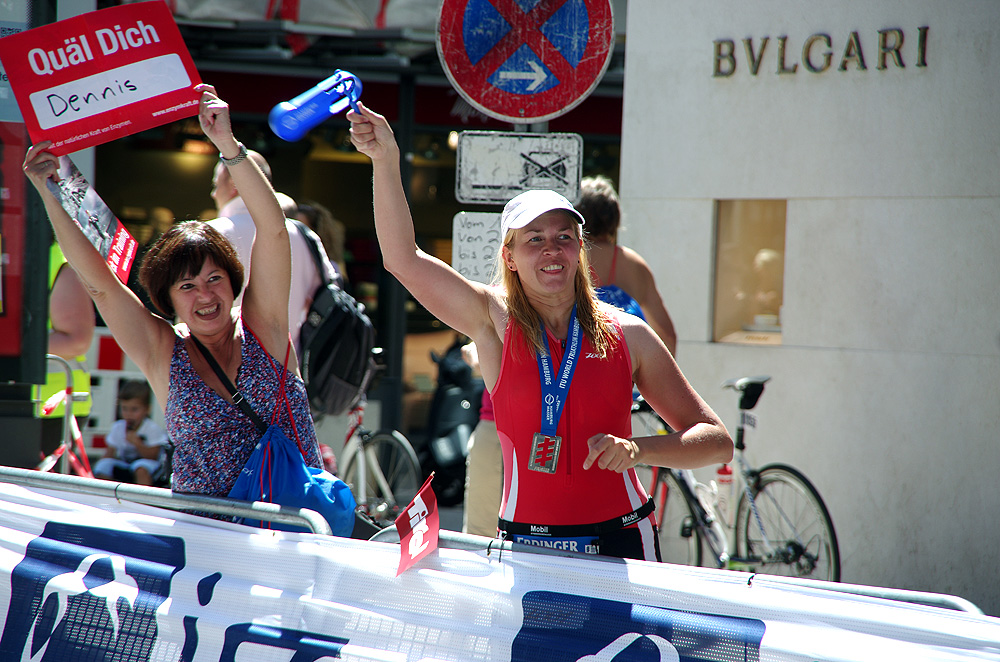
782	526
381	468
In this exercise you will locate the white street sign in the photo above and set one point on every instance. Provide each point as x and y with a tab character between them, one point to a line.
493	166
475	241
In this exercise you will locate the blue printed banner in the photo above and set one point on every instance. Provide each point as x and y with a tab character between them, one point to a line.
98	579
560	627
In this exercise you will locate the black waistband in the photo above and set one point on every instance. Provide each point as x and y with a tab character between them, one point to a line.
573	530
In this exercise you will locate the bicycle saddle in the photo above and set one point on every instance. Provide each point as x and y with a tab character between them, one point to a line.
750	387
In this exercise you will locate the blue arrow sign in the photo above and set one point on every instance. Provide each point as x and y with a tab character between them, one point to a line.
524	72
525	60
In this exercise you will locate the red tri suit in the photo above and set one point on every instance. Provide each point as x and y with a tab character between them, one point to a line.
599	401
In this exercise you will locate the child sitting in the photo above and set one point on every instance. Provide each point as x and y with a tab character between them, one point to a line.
135	443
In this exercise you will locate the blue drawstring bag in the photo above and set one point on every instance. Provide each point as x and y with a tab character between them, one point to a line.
276	473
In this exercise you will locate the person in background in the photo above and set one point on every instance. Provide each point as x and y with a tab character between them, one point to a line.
560	365
320	220
160	220
483	465
287	203
71	330
622	277
235	223
193	275
136	445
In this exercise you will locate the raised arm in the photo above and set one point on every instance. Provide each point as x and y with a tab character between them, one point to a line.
265	302
146	338
468	307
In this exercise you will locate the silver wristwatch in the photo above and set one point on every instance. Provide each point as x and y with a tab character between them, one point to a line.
236	159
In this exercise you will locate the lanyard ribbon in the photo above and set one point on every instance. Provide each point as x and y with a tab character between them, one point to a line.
556	387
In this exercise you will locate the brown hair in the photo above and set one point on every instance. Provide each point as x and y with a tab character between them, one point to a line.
595	320
181	252
600	207
136	389
331	231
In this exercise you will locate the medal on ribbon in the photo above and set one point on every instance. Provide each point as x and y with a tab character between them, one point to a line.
546	444
544	453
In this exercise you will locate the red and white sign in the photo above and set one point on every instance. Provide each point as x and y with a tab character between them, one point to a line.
418	527
106	74
525	62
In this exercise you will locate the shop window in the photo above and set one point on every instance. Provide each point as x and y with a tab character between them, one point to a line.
749	271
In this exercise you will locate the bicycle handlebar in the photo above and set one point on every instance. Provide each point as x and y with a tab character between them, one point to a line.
750	388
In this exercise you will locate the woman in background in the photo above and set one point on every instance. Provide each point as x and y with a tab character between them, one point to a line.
621	276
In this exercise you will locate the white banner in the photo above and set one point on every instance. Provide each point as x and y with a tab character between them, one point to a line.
102	580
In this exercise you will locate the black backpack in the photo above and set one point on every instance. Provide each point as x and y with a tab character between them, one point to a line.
335	344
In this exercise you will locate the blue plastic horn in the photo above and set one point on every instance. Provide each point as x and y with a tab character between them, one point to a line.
291	120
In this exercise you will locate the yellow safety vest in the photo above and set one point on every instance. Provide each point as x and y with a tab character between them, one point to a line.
55	379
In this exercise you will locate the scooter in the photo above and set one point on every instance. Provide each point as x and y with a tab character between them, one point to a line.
453	415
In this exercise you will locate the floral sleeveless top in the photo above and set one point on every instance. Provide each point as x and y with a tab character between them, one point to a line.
213	438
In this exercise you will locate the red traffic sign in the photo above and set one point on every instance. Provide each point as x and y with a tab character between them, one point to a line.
525	61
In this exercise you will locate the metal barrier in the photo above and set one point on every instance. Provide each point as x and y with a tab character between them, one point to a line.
940	600
72	397
155	496
455	540
476	543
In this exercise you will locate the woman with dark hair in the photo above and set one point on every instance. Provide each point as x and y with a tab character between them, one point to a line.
192	275
559	365
621	276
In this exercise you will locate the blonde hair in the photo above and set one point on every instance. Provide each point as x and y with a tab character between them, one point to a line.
595	318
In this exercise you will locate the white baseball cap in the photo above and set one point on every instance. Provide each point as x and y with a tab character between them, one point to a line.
526	207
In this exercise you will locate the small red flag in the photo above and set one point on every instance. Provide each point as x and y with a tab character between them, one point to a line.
418	527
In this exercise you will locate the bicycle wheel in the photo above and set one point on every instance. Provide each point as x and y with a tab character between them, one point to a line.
795	522
645	422
391	475
680	539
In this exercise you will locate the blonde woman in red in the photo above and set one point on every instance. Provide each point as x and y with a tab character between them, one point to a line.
559	365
